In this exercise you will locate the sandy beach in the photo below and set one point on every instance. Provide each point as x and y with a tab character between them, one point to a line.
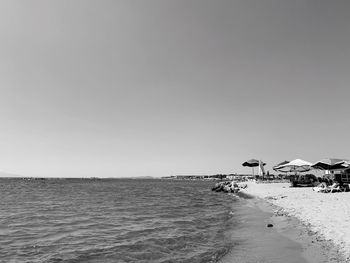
325	214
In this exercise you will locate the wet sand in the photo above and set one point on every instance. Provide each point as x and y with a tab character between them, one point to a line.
288	241
327	215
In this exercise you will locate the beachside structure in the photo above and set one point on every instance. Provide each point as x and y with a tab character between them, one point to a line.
342	176
335	169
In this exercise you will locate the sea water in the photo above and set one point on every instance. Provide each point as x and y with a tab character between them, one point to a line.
114	220
134	220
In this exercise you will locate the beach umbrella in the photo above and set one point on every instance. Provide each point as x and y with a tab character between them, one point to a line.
277	165
253	163
330	164
342	165
295	166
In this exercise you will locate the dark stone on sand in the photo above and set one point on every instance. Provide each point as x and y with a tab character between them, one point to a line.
269	225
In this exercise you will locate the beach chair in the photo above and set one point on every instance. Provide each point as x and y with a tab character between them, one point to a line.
335	188
321	188
346	188
327	189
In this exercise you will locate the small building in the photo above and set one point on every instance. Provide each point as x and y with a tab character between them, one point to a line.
343	176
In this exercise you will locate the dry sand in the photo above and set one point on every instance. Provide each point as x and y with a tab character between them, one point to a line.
327	215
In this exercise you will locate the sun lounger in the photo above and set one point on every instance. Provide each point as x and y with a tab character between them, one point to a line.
325	190
337	188
321	188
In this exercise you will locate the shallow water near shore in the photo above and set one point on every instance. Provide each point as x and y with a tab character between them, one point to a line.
121	220
259	243
124	220
288	240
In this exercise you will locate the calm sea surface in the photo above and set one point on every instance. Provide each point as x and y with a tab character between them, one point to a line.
120	220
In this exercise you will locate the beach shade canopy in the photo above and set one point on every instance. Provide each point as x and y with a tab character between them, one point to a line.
296	165
253	163
342	165
331	164
284	162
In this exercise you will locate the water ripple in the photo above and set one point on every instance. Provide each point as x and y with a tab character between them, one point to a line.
112	221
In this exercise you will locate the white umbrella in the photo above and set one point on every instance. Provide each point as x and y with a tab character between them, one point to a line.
296	165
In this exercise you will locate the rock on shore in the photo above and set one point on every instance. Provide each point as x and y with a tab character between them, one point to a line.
228	187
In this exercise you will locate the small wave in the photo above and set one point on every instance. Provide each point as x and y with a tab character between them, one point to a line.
73	221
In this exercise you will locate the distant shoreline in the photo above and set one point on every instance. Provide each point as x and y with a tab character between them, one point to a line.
73	178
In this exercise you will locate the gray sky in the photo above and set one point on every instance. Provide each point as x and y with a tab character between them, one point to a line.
135	88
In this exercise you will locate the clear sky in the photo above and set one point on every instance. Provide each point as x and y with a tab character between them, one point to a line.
157	87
